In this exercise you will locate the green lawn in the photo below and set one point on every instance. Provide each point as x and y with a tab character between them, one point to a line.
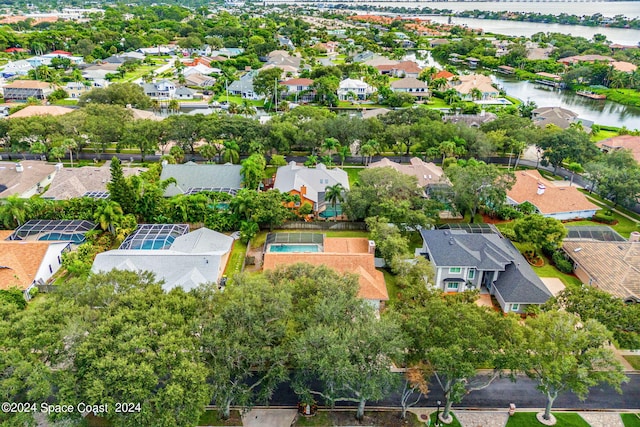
66	102
238	100
234	266
392	287
603	134
625	226
353	175
436	103
454	423
321	418
630	420
138	73
528	419
345	233
212	418
634	361
547	270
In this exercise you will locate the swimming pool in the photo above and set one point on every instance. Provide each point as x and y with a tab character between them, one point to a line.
279	247
63	237
160	243
331	212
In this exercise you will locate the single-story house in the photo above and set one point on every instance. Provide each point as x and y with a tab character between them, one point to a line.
485	261
309	183
193	177
86	181
622	142
426	173
183	92
199	80
557	116
41	110
465	85
550	200
353	89
191	260
571	60
24	265
613	267
19	68
345	255
26	178
412	86
471	120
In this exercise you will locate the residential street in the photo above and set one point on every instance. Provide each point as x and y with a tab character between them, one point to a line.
502	392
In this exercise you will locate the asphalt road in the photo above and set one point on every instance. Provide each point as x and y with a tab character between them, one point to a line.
502	392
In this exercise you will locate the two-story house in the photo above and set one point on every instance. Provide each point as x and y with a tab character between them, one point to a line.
412	86
301	88
353	89
465	260
162	89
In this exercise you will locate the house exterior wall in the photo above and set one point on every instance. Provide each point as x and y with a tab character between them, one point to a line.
571	215
22	94
303	199
38	187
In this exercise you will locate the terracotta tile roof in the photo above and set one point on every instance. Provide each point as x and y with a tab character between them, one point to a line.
5	233
42	110
28	84
613	266
625	67
443	74
554	199
625	142
345	255
19	263
298	82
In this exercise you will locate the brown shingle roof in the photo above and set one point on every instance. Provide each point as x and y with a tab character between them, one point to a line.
613	266
345	255
426	173
21	182
28	84
19	263
554	200
41	110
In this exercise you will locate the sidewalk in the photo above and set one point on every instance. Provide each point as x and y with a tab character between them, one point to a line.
469	418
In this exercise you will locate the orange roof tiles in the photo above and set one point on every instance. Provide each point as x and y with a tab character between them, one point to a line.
554	199
443	75
623	142
4	234
19	263
345	255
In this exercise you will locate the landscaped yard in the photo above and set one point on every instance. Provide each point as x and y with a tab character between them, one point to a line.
212	418
234	266
353	172
634	361
347	418
528	419
436	103
603	134
392	287
631	420
454	423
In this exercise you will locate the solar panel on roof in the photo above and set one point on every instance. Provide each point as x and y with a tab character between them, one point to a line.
196	190
96	194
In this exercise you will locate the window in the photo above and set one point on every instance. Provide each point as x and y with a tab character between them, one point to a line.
515	307
455	270
472	273
453	286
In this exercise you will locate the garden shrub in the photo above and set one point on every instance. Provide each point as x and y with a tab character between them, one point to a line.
562	263
604	218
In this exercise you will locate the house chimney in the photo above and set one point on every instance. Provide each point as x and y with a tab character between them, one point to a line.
635	236
372	247
303	190
19	167
59	166
541	188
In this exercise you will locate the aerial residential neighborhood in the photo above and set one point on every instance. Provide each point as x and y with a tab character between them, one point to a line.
292	214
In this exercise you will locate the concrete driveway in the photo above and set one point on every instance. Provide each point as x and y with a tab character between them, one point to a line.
269	418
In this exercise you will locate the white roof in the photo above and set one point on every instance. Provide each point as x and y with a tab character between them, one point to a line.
353	84
193	259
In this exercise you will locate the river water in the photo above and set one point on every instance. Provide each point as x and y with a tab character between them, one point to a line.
630	9
600	112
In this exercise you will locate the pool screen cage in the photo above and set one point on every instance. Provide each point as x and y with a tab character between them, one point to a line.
151	236
38	227
594	232
481	228
295	238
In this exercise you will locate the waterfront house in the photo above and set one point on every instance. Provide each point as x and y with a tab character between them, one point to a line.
243	87
21	90
353	89
622	142
485	261
553	201
412	86
301	88
465	85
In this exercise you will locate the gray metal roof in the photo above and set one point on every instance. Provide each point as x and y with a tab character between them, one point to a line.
192	175
244	84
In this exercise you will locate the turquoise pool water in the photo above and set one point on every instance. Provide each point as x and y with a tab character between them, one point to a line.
331	212
281	247
154	244
75	238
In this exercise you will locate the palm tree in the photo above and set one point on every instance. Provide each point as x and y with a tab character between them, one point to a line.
451	96
447	149
334	194
367	151
475	93
246	109
231	152
343	152
234	108
174	106
14	211
330	144
439	83
109	216
76	75
312	160
209	152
